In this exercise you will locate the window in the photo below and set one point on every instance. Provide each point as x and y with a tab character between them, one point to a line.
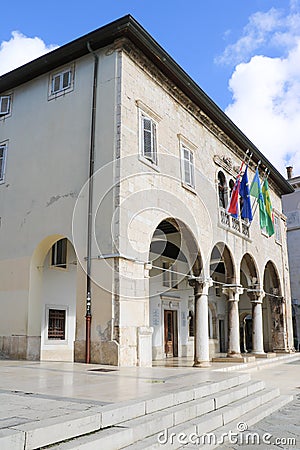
61	82
222	191
148	139
57	324
187	166
170	275
3	148
5	101
59	254
231	186
277	228
191	324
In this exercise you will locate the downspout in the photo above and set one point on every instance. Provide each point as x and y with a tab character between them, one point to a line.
88	315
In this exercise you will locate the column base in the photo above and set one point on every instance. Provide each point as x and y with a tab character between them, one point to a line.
264	355
234	359
283	351
234	355
201	364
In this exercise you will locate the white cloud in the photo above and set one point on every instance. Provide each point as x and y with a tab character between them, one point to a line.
19	50
266	90
258	32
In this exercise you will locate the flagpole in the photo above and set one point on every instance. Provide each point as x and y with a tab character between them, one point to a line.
237	179
247	164
265	177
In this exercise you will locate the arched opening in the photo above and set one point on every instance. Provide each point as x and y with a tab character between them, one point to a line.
175	257
222	272
222	190
273	311
52	300
250	282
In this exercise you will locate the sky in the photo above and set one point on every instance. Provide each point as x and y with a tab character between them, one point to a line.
245	54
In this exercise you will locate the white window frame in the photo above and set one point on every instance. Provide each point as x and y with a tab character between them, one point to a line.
187	163
4	113
50	341
3	146
277	229
61	90
152	155
146	113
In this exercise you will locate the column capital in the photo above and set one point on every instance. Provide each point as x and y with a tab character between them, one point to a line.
232	291
256	295
201	284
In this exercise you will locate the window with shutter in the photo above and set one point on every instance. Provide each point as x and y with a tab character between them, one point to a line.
187	161
5	101
148	129
61	82
277	228
3	148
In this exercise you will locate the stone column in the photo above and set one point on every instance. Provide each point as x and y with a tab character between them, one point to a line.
201	340
256	298
233	292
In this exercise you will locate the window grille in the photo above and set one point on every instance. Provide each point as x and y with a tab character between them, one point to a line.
57	324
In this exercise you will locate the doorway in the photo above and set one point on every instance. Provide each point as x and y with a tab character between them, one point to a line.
171	333
222	336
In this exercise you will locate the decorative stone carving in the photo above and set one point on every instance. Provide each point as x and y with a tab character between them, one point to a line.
227	164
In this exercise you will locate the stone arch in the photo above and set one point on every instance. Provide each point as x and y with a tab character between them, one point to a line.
43	280
273	310
187	246
272	284
222	271
222	262
175	256
249	279
248	268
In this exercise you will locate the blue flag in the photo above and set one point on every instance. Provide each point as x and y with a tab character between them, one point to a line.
245	194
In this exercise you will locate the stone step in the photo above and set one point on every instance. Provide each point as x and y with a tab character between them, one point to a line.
47	432
215	420
179	418
247	420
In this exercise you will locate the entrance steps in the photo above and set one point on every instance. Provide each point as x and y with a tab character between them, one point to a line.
211	407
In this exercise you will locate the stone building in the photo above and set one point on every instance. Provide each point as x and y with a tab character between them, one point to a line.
291	208
116	247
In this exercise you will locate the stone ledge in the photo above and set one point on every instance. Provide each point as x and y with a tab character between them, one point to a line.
238	359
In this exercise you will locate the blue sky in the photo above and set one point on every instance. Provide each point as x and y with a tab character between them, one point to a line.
242	53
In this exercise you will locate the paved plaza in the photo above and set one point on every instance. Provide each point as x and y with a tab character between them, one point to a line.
32	393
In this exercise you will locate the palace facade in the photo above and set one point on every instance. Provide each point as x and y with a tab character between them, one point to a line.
116	245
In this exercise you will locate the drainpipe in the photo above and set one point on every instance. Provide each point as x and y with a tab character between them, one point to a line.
88	315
